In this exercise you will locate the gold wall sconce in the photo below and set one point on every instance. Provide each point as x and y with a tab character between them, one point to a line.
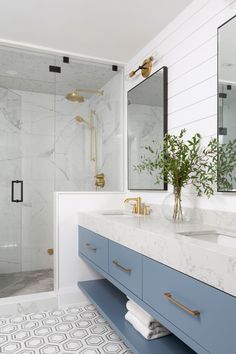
100	180
145	68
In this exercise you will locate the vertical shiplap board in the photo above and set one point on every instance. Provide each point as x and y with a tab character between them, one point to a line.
188	46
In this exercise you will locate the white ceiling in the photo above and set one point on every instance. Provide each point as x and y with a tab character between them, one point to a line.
109	29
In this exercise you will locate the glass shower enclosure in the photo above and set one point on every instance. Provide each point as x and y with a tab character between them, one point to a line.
61	129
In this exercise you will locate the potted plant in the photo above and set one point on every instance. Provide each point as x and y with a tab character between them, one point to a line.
182	162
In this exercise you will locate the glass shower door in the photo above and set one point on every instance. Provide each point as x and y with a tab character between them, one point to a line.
27	121
11	192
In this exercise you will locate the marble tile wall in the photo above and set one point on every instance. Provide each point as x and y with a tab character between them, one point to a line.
72	168
109	123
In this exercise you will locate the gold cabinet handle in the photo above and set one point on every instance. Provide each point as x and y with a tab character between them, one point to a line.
193	313
118	265
91	247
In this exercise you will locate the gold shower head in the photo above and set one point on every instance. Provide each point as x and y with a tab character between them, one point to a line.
74	97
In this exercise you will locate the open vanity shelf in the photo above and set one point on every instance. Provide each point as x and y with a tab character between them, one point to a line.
111	303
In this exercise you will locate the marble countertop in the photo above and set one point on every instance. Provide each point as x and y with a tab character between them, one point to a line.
209	259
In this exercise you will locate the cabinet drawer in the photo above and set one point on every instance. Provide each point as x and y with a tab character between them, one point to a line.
94	247
125	266
213	327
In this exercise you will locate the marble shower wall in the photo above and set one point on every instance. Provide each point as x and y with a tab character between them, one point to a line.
109	122
74	170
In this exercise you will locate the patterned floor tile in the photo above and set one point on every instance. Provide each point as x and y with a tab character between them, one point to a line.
66	331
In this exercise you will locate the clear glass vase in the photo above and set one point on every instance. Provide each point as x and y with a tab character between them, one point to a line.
178	207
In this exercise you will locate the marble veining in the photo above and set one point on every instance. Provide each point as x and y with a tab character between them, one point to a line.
209	261
23	283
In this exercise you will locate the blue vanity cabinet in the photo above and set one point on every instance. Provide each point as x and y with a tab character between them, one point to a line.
166	290
94	247
202	316
125	266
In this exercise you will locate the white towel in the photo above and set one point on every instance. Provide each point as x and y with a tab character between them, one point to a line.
144	331
144	317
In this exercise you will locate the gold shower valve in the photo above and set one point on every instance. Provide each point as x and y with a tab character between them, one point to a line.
100	180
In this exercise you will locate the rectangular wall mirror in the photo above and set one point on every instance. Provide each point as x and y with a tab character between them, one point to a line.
147	122
227	106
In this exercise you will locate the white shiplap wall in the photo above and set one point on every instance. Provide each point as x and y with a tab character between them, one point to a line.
188	46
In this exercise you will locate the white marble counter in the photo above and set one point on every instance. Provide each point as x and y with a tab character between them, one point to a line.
211	260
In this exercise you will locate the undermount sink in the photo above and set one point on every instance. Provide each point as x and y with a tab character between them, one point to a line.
115	213
221	238
199	233
207	233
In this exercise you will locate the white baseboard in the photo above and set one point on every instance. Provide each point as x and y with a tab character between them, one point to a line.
70	296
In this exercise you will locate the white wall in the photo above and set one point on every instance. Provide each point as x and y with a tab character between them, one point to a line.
71	268
188	47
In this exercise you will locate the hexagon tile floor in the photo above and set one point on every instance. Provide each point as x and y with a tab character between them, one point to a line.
66	331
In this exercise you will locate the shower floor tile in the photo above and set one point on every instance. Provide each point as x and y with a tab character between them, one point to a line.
72	330
22	283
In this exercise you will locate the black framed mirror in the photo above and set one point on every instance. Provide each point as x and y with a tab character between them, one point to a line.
146	122
226	106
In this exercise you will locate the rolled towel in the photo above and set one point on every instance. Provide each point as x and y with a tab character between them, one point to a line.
144	317
144	331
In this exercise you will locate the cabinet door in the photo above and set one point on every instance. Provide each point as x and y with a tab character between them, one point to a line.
94	247
125	266
204	313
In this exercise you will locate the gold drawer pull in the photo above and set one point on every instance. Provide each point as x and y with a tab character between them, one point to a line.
118	265
193	313
91	247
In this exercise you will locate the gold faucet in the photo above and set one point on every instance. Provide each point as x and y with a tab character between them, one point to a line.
139	207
